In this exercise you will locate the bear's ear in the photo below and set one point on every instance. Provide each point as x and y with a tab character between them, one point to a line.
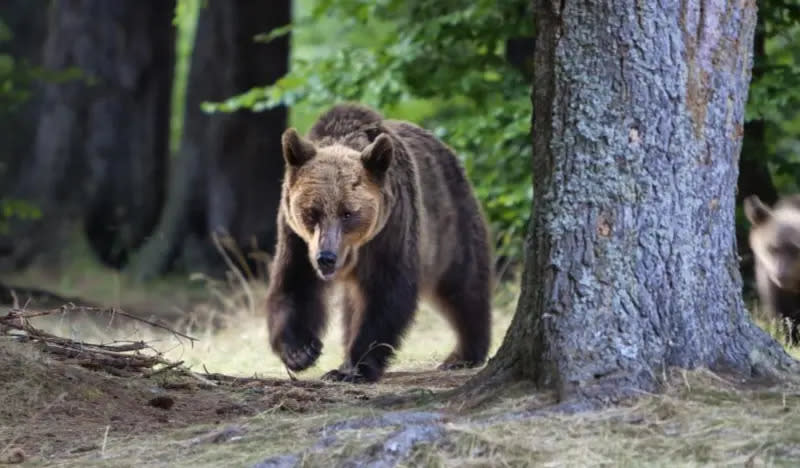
378	155
296	149
755	210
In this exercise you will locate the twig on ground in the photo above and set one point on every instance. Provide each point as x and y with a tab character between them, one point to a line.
163	369
200	378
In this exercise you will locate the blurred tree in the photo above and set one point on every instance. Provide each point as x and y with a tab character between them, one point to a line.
22	34
100	148
229	168
630	263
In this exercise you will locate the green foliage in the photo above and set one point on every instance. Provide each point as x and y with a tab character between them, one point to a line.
775	90
19	209
440	64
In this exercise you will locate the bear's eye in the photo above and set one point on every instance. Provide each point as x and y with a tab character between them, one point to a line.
349	218
312	216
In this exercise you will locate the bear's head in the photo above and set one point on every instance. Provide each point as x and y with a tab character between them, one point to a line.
335	198
775	239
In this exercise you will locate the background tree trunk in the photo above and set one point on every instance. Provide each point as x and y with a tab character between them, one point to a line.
101	145
27	21
230	167
631	263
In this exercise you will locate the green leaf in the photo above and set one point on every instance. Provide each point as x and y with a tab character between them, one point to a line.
274	34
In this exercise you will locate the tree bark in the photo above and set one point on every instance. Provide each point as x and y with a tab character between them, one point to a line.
231	167
101	145
631	263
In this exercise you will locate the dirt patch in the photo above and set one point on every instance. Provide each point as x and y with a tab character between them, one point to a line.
433	380
53	409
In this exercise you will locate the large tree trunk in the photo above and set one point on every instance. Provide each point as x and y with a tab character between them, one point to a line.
631	262
101	146
230	164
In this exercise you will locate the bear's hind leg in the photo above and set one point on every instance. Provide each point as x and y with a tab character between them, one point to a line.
352	312
463	296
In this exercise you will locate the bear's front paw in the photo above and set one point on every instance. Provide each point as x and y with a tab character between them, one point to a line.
300	354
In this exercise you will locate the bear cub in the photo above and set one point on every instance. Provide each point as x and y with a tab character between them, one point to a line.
383	210
775	242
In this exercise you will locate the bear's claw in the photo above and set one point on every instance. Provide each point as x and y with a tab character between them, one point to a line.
337	375
302	357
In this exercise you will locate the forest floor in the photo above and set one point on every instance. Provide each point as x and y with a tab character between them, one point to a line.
55	412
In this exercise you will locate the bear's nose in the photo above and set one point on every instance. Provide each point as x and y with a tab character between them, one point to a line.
326	261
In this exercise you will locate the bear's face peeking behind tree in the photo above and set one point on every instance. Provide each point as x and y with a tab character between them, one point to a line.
336	199
775	240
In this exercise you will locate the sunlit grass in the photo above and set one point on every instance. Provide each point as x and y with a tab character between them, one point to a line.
231	329
240	346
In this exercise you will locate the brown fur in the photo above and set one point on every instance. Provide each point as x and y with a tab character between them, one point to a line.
775	242
392	205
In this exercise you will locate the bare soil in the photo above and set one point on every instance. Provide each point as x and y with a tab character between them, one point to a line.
53	410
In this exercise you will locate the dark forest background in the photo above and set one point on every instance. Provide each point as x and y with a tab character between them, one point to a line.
143	137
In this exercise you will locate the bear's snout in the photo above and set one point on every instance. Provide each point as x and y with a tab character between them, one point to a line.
326	261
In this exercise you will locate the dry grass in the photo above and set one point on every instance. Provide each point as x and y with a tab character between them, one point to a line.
700	420
232	335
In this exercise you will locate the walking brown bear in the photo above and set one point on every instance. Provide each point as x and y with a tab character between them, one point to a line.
384	209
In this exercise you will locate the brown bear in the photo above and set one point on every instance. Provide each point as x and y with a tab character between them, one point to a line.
775	242
383	209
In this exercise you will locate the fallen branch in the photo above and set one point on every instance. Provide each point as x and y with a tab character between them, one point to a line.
123	358
120	358
28	314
